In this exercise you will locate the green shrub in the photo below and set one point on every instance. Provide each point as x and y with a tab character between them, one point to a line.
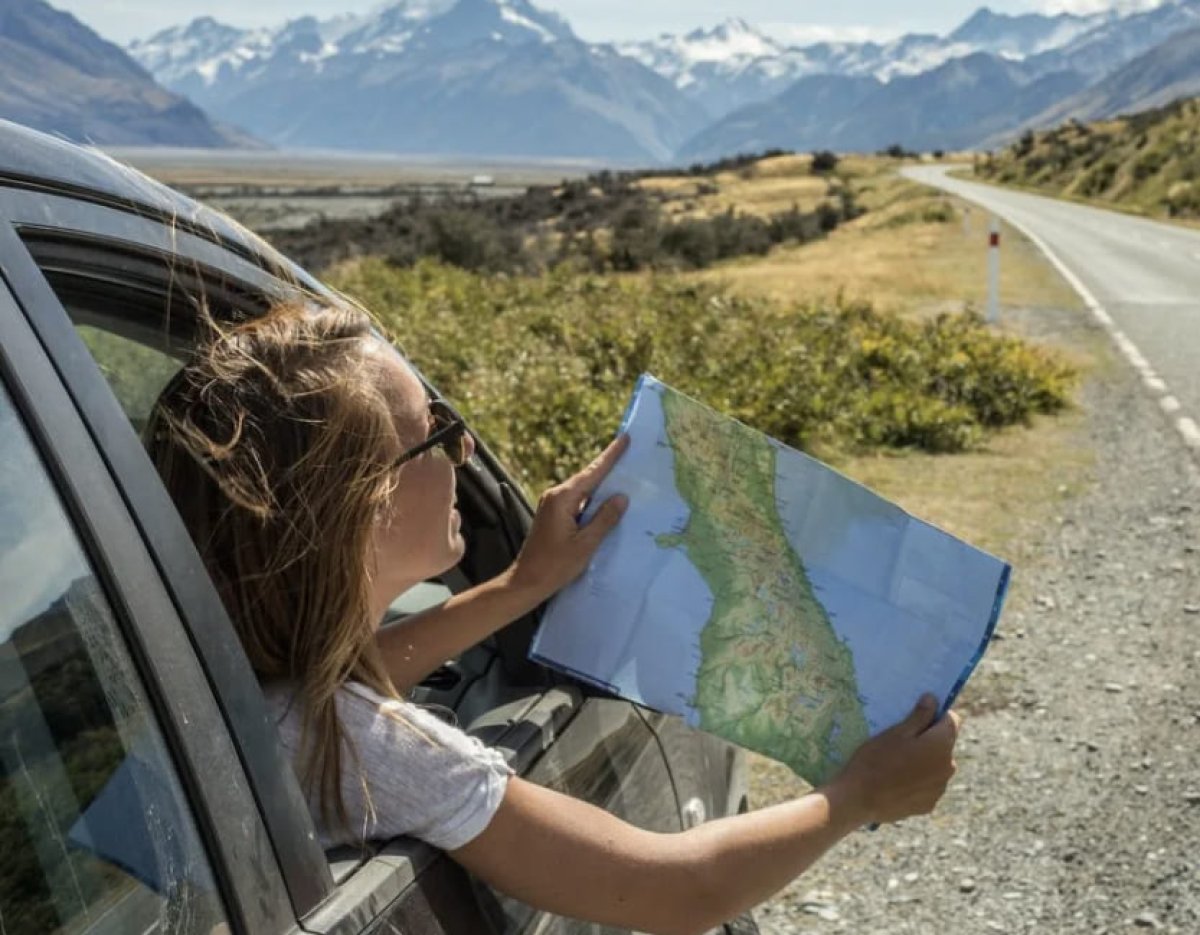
693	242
636	238
543	366
823	162
794	225
606	222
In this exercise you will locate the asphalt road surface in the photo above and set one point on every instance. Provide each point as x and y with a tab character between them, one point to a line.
1145	274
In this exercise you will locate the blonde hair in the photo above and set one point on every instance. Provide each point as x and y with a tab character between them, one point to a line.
275	442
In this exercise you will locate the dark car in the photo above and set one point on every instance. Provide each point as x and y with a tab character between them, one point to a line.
144	789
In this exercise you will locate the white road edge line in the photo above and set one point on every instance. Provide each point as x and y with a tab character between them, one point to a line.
1186	427
1189	431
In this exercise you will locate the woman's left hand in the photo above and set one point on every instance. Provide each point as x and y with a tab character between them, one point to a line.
558	548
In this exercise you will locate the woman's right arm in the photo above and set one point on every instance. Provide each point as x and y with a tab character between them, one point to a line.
565	856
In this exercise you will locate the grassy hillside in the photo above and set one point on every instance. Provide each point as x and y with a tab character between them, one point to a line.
1148	162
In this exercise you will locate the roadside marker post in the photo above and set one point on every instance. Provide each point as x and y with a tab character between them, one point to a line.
993	301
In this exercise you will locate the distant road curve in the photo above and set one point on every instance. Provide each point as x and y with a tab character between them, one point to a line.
1144	274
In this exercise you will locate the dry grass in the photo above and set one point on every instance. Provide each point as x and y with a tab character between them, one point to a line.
769	187
995	497
301	171
898	262
902	263
767	196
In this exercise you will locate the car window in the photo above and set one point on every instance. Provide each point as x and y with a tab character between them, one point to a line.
136	373
134	314
95	833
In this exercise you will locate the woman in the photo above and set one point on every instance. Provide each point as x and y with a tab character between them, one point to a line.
318	483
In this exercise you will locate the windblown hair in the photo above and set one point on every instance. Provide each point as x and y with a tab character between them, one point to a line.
275	442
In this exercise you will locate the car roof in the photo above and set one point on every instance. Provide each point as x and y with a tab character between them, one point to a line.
31	159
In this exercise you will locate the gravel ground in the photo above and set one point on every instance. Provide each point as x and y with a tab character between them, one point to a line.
1076	808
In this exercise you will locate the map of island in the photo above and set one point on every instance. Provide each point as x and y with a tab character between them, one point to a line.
762	596
773	673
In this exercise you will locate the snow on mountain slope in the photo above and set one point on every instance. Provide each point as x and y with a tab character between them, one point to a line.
735	64
499	77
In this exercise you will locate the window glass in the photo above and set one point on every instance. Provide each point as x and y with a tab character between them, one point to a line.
136	373
95	834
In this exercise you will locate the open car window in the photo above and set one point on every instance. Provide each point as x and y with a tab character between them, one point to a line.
136	312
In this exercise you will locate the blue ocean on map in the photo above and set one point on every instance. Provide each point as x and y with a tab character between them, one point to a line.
876	569
643	660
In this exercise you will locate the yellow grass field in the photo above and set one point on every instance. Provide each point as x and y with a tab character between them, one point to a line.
900	261
916	252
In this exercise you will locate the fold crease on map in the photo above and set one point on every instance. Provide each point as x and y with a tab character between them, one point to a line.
764	597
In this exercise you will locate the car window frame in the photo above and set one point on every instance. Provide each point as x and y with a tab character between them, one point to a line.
284	841
188	717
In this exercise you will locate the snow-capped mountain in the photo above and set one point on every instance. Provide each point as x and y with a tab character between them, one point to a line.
1018	37
951	106
204	51
57	75
725	49
735	64
505	77
430	76
1105	63
720	68
1119	40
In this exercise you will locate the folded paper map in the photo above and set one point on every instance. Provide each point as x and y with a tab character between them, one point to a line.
764	597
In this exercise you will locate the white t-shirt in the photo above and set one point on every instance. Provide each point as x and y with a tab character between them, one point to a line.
427	779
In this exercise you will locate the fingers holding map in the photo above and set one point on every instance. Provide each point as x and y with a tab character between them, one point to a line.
763	596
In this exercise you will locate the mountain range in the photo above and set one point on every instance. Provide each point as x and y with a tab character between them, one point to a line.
477	77
57	75
1006	75
508	78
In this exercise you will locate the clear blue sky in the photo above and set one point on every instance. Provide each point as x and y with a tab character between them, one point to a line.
597	20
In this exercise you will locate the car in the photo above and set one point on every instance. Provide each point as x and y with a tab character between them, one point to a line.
144	788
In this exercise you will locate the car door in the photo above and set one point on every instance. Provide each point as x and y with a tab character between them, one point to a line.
112	297
103	827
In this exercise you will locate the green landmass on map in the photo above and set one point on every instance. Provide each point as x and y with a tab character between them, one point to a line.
774	675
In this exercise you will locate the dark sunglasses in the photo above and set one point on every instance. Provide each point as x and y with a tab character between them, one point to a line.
449	431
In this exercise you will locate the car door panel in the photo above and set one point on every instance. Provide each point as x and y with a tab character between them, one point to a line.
193	726
170	569
605	755
406	887
708	773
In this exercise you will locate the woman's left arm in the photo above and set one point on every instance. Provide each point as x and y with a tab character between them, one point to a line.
555	552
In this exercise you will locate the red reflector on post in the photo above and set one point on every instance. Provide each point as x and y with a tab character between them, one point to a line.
994	239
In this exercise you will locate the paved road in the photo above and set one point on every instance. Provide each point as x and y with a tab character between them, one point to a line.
1145	274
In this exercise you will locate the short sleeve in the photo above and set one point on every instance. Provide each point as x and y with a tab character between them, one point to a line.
426	778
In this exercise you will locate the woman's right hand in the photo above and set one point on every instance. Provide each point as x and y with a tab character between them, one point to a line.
901	772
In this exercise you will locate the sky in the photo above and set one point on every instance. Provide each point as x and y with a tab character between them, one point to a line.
601	20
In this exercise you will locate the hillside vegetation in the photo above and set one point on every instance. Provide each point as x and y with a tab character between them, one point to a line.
607	222
543	365
1147	162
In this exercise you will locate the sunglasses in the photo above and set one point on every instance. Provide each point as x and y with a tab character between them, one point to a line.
449	432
